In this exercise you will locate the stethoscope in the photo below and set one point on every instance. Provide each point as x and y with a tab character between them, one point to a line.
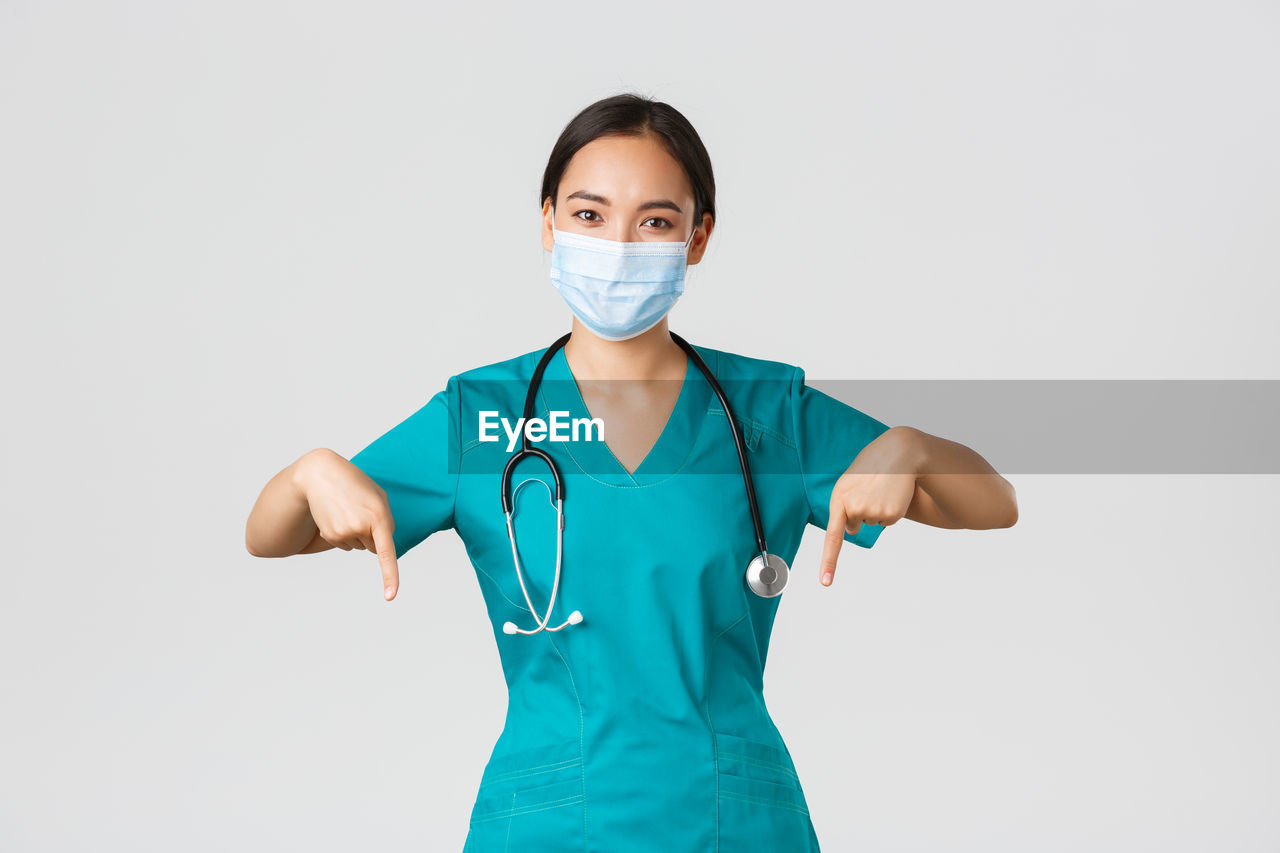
766	574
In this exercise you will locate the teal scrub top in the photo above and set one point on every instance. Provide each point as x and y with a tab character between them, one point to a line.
643	727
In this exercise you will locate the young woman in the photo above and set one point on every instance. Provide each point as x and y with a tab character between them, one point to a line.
633	585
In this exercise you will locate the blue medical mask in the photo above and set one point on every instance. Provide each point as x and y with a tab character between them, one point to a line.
618	290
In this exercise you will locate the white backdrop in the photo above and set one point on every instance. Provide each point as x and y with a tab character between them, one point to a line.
232	232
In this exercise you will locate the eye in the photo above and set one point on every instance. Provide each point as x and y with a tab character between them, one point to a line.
665	223
592	212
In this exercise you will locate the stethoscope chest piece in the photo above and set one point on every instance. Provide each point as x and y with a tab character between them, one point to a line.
767	579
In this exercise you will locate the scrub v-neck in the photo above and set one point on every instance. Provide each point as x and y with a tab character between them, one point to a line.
559	392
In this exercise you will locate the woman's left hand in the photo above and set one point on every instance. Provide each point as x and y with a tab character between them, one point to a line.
876	489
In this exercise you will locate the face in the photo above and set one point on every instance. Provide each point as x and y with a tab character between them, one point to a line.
629	189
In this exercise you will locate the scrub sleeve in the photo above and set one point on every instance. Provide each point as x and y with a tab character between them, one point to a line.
416	463
829	436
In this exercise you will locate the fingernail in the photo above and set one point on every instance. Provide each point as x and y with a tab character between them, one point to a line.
826	579
388	593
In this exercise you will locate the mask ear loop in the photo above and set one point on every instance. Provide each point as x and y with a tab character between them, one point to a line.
687	245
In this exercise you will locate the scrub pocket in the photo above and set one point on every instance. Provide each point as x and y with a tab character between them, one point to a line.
761	803
530	801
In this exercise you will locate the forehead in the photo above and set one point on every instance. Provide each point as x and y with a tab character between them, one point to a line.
628	167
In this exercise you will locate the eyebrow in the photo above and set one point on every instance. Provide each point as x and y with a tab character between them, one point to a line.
648	205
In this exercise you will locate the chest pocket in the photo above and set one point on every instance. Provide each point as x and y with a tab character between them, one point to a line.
751	428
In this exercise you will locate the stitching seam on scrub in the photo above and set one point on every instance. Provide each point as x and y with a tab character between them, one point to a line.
510	820
455	423
581	752
749	424
535	770
759	762
794	403
517	605
761	801
693	439
514	810
632	485
706	691
685	385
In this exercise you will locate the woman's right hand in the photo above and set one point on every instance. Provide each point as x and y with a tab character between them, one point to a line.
350	510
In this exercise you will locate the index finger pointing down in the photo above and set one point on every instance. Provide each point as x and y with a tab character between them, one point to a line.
385	545
831	544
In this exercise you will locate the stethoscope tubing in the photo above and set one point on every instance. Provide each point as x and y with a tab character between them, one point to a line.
737	437
526	449
555	584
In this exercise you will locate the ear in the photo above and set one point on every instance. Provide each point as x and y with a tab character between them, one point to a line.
700	238
548	212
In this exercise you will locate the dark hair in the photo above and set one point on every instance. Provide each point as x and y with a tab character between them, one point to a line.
629	114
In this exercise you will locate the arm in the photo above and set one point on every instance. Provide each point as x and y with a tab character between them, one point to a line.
319	502
906	473
280	523
955	487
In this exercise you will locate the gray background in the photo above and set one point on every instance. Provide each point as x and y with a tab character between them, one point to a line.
231	232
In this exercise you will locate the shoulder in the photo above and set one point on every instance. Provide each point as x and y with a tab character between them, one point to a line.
499	386
760	390
732	366
517	367
495	383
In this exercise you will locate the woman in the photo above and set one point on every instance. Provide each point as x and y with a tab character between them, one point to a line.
636	718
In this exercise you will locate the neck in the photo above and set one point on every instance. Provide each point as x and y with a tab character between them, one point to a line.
651	355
